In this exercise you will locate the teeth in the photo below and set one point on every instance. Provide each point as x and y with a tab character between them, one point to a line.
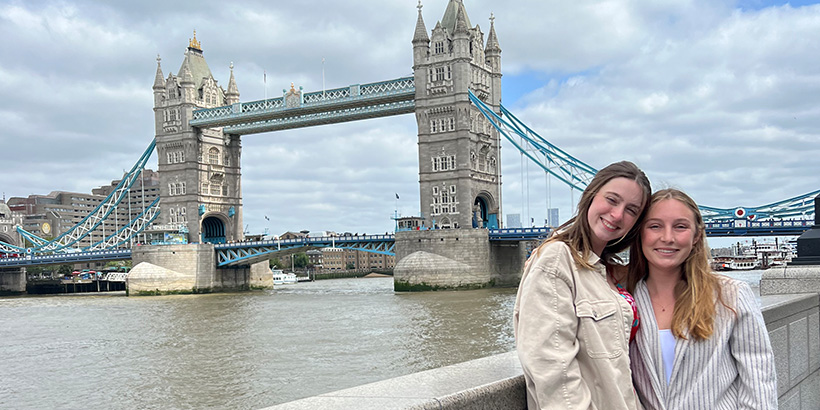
608	225
669	251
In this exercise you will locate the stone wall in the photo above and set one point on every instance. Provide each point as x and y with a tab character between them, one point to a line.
12	280
507	262
497	382
442	259
793	322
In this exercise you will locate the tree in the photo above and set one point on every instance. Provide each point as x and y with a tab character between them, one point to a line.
300	260
350	266
275	263
64	270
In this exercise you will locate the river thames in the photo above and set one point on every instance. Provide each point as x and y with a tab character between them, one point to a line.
237	351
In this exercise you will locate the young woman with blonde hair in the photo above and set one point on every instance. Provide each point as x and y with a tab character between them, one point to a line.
572	320
702	342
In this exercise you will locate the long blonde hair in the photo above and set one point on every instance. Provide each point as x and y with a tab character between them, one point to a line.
576	232
696	291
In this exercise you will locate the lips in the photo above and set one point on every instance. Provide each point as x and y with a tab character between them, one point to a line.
666	251
608	225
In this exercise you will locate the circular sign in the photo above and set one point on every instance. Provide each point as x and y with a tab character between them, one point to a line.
46	228
740	213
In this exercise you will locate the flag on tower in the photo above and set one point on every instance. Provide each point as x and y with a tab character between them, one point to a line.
397	196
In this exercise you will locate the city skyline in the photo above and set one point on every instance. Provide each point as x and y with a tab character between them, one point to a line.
714	98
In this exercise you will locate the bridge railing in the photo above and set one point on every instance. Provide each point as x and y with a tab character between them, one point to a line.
240	112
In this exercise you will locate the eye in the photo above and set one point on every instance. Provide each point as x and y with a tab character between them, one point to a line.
611	200
652	226
632	211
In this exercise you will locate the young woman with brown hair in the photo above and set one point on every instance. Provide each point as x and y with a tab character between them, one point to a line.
572	323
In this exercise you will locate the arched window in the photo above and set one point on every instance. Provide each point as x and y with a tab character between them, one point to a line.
213	156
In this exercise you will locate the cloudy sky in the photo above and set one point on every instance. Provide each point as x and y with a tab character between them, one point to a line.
717	97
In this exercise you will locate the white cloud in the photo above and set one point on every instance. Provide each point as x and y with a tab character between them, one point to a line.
704	95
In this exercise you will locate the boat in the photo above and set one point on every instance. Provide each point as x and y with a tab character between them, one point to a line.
282	278
738	262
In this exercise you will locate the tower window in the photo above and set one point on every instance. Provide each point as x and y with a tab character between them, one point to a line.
213	156
439	47
439	73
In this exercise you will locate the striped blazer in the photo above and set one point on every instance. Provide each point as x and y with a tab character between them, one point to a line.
733	369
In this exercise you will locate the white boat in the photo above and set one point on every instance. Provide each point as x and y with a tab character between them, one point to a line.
744	262
282	278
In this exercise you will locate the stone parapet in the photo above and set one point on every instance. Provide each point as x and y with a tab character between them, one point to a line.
497	382
790	279
494	382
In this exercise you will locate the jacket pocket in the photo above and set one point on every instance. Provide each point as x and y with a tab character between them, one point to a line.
599	329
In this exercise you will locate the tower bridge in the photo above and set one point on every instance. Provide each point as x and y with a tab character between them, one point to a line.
455	94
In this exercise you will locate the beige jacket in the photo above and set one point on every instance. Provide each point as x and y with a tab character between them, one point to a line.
572	335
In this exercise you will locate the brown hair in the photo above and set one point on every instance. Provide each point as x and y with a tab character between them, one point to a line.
696	291
576	232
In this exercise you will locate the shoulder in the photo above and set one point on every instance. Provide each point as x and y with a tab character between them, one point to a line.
553	250
553	257
733	289
737	294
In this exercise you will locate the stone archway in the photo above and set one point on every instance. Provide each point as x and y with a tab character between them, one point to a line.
485	212
213	230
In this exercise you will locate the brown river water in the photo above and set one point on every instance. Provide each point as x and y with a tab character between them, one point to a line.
239	350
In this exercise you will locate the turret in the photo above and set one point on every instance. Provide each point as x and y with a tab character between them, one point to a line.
493	55
159	84
232	95
421	42
461	36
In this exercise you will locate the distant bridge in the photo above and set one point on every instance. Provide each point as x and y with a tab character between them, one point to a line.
245	253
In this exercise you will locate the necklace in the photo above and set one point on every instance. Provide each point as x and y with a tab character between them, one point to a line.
663	307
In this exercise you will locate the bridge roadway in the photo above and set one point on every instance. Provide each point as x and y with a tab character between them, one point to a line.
246	253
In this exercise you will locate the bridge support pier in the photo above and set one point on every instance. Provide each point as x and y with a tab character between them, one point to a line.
455	259
175	269
12	281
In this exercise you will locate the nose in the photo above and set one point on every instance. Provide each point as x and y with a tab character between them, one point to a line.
617	212
666	234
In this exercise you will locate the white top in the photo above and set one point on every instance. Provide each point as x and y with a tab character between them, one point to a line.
667	340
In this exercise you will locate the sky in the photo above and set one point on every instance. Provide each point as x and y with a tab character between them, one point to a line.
715	97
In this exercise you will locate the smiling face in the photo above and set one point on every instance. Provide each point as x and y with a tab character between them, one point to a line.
613	211
668	235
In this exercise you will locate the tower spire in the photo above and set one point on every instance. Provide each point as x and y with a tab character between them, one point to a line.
193	43
159	80
461	22
421	31
492	38
232	96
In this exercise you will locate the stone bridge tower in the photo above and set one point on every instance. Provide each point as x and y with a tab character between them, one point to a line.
459	150
199	169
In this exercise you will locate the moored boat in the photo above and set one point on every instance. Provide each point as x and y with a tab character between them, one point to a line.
282	278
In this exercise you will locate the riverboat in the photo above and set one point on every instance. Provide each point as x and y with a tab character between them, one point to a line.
282	278
739	262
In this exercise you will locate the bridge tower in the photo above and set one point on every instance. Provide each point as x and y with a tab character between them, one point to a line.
459	150
199	169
